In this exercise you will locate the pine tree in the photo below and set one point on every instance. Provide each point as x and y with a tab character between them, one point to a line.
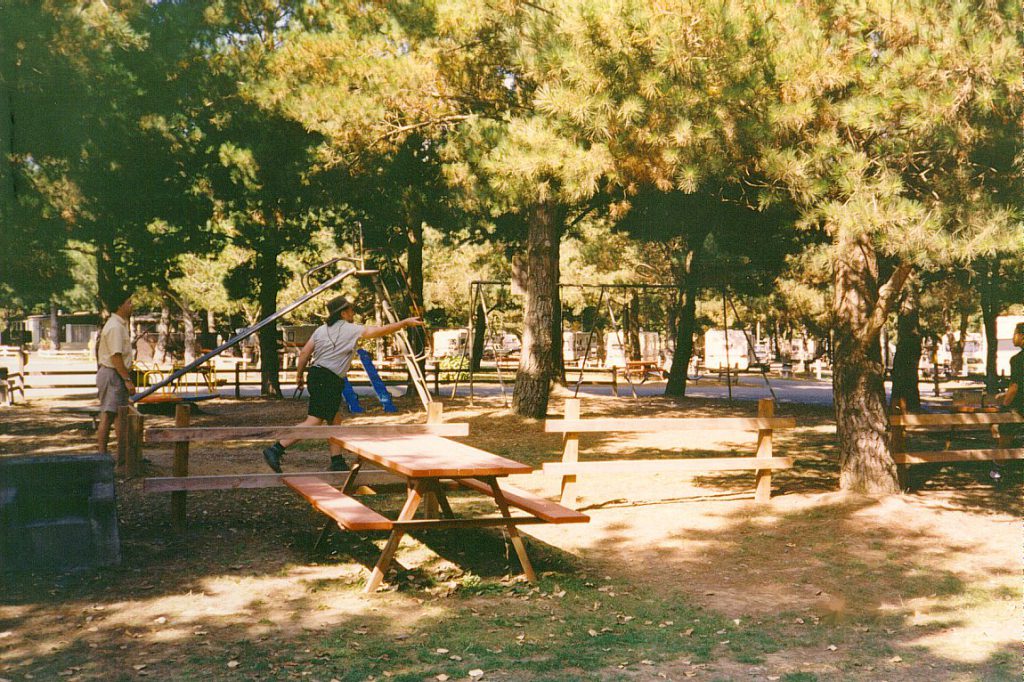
886	117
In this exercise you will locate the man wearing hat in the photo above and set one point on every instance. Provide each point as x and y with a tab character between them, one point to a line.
329	353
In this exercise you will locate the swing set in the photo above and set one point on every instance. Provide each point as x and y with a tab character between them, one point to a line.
480	323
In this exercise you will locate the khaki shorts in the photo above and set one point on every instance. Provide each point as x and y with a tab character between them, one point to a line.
111	389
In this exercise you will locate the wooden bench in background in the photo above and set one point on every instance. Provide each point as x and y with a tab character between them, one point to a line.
902	424
762	463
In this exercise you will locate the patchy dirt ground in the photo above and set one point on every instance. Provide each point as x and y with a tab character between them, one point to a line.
675	577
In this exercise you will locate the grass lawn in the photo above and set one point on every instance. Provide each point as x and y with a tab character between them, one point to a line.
676	577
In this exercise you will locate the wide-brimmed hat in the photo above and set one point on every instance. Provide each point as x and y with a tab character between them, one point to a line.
337	304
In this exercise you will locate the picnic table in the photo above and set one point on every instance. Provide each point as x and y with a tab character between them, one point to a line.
429	464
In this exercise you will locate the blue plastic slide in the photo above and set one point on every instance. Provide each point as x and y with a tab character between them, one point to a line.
351	399
378	384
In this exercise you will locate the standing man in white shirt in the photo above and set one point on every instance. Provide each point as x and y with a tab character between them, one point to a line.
113	376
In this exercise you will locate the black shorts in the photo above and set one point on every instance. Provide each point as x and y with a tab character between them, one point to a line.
325	389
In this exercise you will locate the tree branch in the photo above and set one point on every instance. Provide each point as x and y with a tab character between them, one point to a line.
888	295
422	124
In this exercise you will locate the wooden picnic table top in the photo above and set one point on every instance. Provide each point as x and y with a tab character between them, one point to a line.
430	457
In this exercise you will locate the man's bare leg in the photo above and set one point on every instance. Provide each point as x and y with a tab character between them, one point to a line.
275	453
103	430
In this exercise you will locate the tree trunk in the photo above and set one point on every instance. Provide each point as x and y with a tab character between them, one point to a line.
479	337
908	355
188	326
537	361
860	305
8	195
990	305
163	328
54	326
269	284
557	352
414	260
957	343
685	322
634	328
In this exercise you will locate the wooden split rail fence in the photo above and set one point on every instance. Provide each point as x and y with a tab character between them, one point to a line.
182	434
995	423
763	462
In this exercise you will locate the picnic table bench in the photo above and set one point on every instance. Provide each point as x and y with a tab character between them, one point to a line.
762	463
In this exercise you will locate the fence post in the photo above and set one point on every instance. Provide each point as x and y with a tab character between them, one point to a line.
570	454
134	424
763	490
437	378
615	381
181	420
238	384
121	430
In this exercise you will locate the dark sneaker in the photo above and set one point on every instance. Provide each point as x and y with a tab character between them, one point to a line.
273	456
338	463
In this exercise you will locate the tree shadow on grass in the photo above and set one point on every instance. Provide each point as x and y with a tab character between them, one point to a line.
877	580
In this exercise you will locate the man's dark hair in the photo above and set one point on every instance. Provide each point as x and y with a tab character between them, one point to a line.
1019	329
114	299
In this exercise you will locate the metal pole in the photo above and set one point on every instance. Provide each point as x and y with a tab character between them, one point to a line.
757	359
590	341
618	335
725	328
497	361
466	351
246	333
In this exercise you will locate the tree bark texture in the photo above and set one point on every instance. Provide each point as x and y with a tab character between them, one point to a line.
106	272
270	364
686	315
7	186
188	326
414	260
957	342
557	352
537	361
685	322
861	302
163	329
54	326
990	306
634	328
905	362
479	337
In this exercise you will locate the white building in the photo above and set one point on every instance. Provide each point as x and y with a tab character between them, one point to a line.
1005	349
717	356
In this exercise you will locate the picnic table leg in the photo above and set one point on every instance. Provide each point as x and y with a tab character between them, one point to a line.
324	533
513	532
430	504
407	513
350	481
446	508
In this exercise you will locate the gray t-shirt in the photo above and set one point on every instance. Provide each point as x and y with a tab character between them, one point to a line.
333	346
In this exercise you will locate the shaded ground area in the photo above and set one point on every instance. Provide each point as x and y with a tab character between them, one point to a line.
676	577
